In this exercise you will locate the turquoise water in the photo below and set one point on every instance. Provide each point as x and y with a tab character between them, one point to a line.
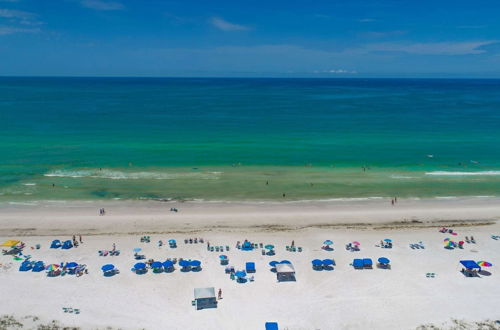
129	138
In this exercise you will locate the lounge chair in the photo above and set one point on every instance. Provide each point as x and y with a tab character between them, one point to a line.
250	267
299	249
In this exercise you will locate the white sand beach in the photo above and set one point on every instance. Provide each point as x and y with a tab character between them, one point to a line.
344	298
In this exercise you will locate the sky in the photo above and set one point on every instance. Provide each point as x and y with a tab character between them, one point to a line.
254	38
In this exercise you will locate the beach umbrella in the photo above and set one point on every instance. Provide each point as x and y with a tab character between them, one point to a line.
195	263
328	262
328	242
156	264
184	263
137	250
223	257
273	263
484	264
71	265
356	243
240	273
388	240
52	267
140	265
269	246
285	262
107	268
317	262
168	264
383	260
461	242
446	239
171	241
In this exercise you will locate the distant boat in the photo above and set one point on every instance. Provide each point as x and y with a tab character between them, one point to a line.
430	156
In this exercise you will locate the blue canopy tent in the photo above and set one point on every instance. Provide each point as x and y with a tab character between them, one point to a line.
367	262
140	265
285	262
107	268
357	263
250	267
55	244
328	262
271	326
195	263
470	264
67	245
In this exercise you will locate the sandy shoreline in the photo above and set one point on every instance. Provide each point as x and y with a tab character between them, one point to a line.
401	298
131	217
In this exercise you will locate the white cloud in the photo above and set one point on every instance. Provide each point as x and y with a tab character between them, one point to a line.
5	30
224	25
432	48
11	13
102	4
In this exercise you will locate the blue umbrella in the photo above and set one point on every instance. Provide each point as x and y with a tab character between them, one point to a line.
107	268
387	240
328	262
240	274
168	264
171	241
317	262
184	263
222	257
195	263
273	263
285	262
328	242
156	264
71	265
383	260
137	250
140	265
269	247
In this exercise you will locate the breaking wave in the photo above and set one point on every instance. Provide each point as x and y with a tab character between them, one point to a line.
120	175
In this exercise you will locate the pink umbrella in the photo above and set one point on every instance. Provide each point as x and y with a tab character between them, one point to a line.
356	243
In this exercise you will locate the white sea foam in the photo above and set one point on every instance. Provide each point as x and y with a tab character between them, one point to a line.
451	173
403	177
120	175
29	184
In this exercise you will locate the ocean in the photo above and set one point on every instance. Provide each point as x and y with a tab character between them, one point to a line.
247	139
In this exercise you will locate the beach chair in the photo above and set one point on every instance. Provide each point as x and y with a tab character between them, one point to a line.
287	248
263	252
227	247
212	249
299	249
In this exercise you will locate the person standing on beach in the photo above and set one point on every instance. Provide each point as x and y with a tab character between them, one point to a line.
392	202
219	295
80	237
